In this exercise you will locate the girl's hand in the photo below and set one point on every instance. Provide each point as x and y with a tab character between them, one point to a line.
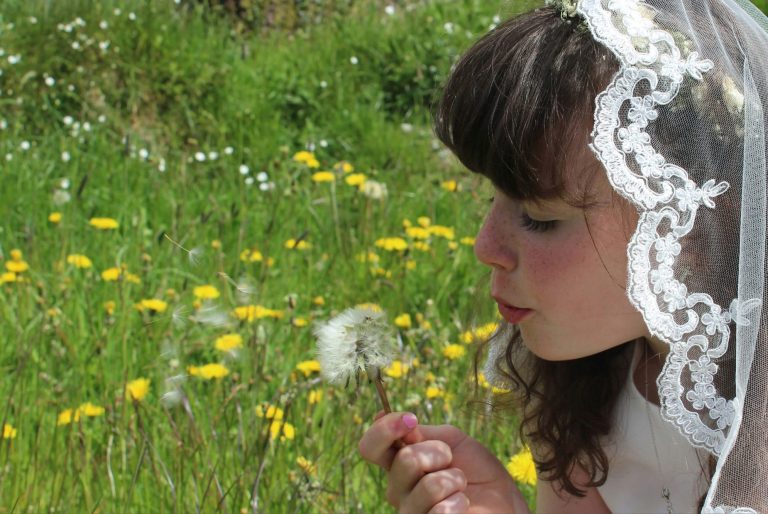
439	470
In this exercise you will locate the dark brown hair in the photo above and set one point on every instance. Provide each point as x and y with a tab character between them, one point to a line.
512	107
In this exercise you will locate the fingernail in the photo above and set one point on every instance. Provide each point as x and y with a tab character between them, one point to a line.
410	420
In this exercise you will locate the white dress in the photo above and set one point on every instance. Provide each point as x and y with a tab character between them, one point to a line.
636	477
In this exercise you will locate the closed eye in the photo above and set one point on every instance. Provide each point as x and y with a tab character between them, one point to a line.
533	225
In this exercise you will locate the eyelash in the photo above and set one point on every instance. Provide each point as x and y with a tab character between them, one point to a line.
531	224
535	225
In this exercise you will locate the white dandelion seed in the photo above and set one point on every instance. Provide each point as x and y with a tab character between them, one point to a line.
214	316
357	340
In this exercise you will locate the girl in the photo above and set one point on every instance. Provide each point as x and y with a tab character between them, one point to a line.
625	141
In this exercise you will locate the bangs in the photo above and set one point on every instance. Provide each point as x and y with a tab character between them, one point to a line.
521	99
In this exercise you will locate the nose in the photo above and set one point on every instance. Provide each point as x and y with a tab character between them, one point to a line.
494	244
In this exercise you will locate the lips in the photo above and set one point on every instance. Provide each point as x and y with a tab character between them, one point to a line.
511	313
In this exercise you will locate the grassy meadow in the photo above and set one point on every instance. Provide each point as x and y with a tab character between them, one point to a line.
182	197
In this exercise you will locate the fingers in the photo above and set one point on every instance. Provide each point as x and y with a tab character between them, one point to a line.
438	492
412	463
457	503
376	445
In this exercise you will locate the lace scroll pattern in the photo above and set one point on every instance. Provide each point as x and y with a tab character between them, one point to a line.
696	328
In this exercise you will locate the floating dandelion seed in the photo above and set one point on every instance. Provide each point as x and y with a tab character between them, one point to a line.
357	340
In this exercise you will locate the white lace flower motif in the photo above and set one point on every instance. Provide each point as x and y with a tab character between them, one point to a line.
633	139
675	295
642	110
716	320
667	249
660	278
703	370
702	392
723	412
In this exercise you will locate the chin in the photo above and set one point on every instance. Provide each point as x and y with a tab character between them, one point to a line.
555	351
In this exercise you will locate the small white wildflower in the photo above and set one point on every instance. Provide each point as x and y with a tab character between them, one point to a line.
357	340
406	127
117	11
50	81
390	10
9	157
243	169
25	145
104	46
323	143
87	126
14	59
267	186
229	150
161	165
101	118
103	25
262	176
248	181
32	20
353	60
448	27
132	16
79	22
143	154
71	88
199	156
64	183
65	156
3	124
67	120
323	84
212	155
75	45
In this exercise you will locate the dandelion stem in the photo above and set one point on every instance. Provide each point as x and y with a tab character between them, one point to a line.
382	394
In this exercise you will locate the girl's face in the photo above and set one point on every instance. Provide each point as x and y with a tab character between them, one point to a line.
568	266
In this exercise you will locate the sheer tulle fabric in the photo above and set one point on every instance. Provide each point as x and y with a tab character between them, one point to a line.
681	133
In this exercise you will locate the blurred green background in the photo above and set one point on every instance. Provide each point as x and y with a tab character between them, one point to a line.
186	188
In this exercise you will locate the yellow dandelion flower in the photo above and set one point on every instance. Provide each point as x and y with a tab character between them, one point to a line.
396	370
403	320
206	292
16	255
484	332
434	392
453	245
137	389
381	272
442	231
410	264
323	176
318	300
288	430
67	416
306	465
315	395
421	246
54	217
454	351
53	312
373	306
110	274
104	223
417	232
109	306
254	312
15	266
392	244
308	367
268	411
130	277
367	257
9	276
344	167
209	371
469	241
152	305
355	179
424	221
90	410
229	342
307	158
292	244
450	185
79	261
407	223
216	244
8	431
482	381
299	322
522	468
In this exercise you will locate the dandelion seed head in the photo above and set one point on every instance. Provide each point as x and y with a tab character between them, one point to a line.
357	340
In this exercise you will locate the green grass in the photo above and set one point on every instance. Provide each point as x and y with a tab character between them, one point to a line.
172	83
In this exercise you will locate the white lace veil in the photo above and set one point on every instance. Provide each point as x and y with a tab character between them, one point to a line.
681	133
